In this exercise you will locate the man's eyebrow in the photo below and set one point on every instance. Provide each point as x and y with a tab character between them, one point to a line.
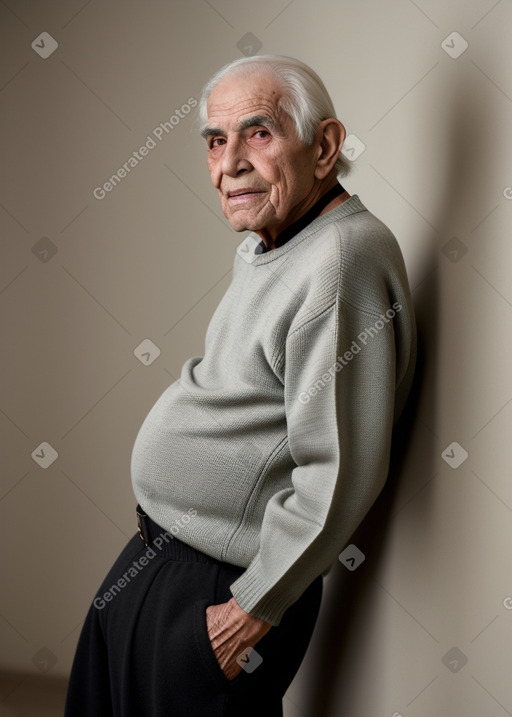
262	120
255	120
209	131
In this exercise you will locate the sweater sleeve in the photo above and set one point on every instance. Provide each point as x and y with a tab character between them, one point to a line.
339	400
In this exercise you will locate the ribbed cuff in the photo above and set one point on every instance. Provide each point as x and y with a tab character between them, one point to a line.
259	599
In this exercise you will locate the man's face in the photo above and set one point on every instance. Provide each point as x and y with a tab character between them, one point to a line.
253	146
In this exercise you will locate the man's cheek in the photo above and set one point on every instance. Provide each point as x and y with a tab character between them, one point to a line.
214	173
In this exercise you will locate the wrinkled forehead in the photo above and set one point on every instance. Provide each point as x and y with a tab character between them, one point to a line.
237	96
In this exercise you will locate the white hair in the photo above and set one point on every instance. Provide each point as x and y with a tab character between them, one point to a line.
305	98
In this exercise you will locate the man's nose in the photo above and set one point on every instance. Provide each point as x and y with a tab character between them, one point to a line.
234	158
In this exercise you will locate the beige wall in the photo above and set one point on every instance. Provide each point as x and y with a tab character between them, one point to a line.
153	258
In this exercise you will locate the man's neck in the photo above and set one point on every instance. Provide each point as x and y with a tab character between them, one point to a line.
335	202
269	238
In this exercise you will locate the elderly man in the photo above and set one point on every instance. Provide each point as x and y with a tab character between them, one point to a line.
253	470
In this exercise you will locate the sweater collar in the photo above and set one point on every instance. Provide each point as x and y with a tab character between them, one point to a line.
246	250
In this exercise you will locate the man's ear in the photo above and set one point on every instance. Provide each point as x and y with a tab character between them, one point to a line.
330	136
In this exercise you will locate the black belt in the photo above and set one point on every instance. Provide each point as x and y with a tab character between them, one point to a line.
143	525
165	544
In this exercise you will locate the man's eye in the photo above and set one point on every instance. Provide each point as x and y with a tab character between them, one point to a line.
217	139
262	131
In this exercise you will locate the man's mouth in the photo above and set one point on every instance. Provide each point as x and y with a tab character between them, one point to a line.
243	195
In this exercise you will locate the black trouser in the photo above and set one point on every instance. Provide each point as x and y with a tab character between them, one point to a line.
144	648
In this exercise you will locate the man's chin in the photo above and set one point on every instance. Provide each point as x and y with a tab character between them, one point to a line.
238	224
247	219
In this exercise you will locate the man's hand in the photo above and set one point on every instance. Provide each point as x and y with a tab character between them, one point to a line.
231	630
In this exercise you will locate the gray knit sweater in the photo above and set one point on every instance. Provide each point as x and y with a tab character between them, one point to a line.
269	450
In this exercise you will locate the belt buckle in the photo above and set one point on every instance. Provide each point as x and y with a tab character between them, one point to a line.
142	525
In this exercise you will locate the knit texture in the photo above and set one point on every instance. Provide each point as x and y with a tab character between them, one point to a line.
270	449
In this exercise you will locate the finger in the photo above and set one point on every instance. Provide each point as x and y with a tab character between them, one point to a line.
232	670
